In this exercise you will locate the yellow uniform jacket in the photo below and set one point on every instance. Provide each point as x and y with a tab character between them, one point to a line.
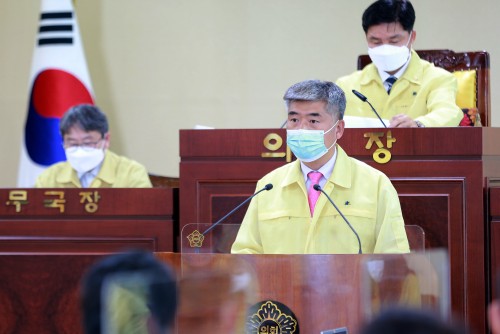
424	92
279	221
116	172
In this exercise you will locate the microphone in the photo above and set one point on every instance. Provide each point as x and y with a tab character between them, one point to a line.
317	187
365	99
267	187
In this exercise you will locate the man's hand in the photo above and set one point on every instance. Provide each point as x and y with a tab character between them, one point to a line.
402	121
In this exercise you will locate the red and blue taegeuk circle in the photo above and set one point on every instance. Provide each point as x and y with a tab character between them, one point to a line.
54	91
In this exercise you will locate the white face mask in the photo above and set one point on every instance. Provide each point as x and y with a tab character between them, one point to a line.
83	160
388	57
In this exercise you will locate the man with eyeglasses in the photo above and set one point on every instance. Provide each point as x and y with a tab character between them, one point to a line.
90	164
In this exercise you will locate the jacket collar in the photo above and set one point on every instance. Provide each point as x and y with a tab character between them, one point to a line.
107	174
67	175
341	175
294	175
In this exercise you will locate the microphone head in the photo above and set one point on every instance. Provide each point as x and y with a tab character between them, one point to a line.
268	186
359	95
317	187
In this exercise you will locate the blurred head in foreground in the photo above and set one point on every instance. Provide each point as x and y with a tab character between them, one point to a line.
410	321
130	292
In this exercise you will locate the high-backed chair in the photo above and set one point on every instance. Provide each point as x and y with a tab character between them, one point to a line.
472	70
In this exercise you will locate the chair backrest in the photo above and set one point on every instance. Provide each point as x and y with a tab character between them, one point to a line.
466	66
160	181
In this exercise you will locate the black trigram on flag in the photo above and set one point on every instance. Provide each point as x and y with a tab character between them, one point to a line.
56	28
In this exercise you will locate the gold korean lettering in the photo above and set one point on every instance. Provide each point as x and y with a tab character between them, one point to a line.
381	155
390	139
90	198
268	330
374	137
274	142
17	198
55	203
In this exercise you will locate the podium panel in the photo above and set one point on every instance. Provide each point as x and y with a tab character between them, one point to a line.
317	293
228	293
440	175
322	292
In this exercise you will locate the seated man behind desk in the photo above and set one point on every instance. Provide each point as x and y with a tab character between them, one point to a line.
90	164
285	220
422	95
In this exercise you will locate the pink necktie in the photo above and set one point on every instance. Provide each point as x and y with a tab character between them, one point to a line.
312	195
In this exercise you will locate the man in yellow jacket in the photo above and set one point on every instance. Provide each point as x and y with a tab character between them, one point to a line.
90	164
292	219
403	88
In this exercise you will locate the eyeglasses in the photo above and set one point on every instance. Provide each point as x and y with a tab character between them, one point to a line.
86	146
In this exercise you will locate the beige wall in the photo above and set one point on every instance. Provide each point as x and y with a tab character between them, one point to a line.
158	66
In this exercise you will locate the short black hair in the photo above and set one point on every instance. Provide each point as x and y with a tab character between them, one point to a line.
161	281
411	321
389	11
86	116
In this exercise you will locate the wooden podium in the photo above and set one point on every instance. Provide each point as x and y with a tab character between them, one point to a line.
85	220
41	293
442	177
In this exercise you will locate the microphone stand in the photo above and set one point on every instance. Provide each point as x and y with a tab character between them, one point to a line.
317	187
365	99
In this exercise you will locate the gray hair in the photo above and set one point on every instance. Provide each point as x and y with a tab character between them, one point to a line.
317	90
86	116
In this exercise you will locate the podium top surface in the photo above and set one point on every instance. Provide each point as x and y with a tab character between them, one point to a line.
422	143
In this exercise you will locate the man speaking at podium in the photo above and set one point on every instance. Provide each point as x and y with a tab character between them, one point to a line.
296	216
408	91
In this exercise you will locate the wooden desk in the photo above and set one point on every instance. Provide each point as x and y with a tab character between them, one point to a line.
85	220
441	176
